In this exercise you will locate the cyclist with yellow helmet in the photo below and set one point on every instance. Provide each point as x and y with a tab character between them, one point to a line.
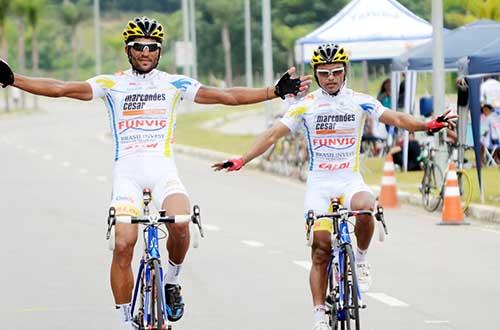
332	119
142	103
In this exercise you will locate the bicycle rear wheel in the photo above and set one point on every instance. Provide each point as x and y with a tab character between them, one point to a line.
156	320
465	186
351	291
431	187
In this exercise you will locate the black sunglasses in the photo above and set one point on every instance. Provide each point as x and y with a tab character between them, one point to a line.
152	47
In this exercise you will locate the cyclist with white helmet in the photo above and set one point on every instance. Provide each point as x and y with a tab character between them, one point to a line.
332	119
142	103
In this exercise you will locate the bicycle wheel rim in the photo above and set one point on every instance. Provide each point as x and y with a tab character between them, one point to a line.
351	290
431	193
333	320
159	295
465	187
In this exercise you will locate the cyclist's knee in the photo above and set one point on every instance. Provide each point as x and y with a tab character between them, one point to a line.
126	237
179	231
321	247
362	200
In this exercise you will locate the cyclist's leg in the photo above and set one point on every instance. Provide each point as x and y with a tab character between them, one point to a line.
318	199
363	200
175	201
359	197
126	199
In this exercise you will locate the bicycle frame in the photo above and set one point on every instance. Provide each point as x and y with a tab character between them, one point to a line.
340	238
151	252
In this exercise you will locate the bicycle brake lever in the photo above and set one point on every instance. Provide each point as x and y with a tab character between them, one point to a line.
196	219
111	221
380	217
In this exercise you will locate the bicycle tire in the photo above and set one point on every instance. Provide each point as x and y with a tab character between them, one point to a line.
331	299
156	310
350	298
465	188
431	187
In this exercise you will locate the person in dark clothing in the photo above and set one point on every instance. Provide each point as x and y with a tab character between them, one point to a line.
413	153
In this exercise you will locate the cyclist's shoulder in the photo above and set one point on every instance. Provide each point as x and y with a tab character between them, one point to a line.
107	80
179	81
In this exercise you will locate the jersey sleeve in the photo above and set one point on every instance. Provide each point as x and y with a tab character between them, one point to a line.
187	86
370	105
293	116
100	85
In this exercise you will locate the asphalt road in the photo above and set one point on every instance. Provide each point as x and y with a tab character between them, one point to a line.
251	270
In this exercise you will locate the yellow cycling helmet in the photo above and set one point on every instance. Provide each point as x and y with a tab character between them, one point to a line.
329	53
143	27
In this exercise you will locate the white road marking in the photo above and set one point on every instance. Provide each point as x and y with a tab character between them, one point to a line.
253	243
83	170
437	321
32	151
304	264
101	178
491	231
210	227
66	164
275	252
386	299
19	147
47	157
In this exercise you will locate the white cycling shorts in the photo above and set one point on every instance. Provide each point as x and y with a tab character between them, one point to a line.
136	172
321	187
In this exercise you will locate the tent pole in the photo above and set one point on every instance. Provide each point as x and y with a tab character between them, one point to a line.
364	64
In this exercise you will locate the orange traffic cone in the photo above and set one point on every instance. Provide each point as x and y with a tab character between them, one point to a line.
452	206
388	191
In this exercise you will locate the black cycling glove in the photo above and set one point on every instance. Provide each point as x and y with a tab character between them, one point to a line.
6	74
287	85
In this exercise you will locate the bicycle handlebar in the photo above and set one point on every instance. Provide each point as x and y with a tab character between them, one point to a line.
152	219
155	219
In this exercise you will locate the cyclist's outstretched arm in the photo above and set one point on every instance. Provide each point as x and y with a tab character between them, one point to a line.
54	88
261	144
245	95
408	122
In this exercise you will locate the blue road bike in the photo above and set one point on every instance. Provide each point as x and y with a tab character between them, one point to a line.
148	303
343	299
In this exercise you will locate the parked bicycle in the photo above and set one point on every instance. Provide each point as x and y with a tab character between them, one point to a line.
343	299
148	303
434	180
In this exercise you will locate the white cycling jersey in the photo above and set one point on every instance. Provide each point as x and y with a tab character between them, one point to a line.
142	109
333	127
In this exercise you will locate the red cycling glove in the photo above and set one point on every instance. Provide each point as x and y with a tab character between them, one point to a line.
437	124
234	164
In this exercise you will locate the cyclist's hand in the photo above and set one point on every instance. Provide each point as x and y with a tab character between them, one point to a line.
288	85
232	164
445	120
6	74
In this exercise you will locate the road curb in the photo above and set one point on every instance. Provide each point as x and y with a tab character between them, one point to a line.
476	211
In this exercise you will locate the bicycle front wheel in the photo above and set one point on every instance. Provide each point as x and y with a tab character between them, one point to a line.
465	186
351	291
431	187
156	320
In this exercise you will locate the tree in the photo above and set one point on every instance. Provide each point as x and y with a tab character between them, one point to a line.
223	13
460	12
20	9
34	10
4	9
73	14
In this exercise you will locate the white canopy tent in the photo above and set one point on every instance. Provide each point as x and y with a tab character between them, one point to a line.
369	30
